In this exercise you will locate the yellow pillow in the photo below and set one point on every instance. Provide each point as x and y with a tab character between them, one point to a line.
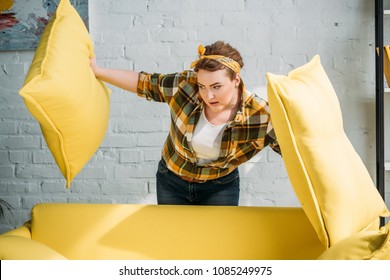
62	93
365	245
328	176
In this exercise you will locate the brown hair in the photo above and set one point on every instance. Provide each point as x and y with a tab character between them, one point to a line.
220	48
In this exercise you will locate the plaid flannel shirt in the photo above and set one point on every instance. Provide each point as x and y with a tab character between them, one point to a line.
244	136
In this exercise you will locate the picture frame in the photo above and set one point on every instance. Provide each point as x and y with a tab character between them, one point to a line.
22	22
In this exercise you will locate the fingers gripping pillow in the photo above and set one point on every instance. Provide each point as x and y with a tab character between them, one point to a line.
328	176
62	93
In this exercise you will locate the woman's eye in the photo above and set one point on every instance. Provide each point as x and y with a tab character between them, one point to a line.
217	87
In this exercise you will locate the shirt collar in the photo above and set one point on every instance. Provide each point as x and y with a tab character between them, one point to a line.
241	114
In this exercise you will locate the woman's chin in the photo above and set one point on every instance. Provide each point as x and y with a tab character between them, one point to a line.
215	107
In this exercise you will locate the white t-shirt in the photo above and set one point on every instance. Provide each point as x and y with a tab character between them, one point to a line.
206	140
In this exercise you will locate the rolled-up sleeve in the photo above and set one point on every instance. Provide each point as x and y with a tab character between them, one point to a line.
157	87
270	138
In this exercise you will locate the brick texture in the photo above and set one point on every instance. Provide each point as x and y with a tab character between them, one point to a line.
162	36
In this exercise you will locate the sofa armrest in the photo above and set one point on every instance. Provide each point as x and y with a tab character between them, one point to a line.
22	231
13	247
365	245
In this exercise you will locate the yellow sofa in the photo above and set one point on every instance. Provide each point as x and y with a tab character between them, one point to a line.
107	231
339	218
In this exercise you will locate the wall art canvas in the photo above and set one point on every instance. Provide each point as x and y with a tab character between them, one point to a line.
22	21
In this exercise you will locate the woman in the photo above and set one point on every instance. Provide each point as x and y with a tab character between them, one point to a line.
216	125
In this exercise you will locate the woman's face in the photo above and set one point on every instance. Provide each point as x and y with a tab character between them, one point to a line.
217	90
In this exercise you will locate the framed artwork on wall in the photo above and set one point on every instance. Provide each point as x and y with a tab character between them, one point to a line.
22	21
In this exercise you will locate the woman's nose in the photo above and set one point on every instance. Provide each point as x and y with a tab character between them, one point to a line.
210	94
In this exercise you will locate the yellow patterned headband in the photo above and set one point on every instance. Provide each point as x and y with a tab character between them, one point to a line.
226	61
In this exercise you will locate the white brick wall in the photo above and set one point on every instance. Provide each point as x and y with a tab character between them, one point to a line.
162	36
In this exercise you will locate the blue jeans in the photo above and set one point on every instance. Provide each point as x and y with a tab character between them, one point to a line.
171	189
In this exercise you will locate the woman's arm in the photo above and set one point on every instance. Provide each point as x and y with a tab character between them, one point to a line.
124	79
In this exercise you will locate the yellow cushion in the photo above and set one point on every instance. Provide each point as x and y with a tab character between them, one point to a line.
365	245
62	93
21	248
328	176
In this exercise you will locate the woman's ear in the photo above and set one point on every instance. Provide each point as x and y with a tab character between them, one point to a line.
237	79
